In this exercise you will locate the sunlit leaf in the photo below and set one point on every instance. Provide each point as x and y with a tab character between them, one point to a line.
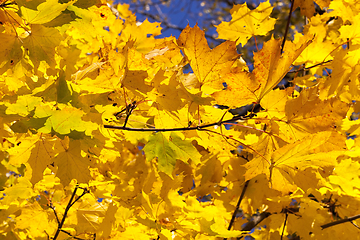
246	23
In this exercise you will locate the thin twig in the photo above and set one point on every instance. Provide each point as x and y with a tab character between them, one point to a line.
56	216
69	205
287	25
355	225
307	68
179	129
340	221
254	222
237	206
282	234
65	213
78	198
71	235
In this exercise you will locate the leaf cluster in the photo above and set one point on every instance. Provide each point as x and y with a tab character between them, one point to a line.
92	101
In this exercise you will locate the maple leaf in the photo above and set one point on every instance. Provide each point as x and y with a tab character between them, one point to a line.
139	33
270	67
167	150
351	32
106	225
293	119
285	162
72	164
242	82
36	152
63	120
23	106
59	84
46	11
8	14
21	190
246	23
346	10
346	177
208	65
35	220
41	43
343	80
10	51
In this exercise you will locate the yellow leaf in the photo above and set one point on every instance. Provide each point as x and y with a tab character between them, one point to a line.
63	120
21	153
10	51
285	162
123	10
208	65
16	194
343	80
139	34
246	23
346	177
293	119
35	220
270	66
41	44
351	32
41	157
72	165
23	106
238	81
46	11
82	73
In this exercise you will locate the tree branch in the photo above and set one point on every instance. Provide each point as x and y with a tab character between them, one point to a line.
238	205
307	68
69	205
287	25
180	129
350	219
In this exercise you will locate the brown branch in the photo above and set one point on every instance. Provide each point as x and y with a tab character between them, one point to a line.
287	25
180	129
69	205
282	234
254	222
237	206
307	68
350	219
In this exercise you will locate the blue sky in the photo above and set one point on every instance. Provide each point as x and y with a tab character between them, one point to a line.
179	13
183	12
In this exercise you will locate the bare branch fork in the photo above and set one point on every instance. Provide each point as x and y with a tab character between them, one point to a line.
69	205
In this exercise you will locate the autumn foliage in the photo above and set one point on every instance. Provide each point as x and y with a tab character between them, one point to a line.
110	133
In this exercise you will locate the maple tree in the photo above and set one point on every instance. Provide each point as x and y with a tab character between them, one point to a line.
105	136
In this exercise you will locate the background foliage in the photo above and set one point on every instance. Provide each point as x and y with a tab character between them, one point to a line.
106	136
